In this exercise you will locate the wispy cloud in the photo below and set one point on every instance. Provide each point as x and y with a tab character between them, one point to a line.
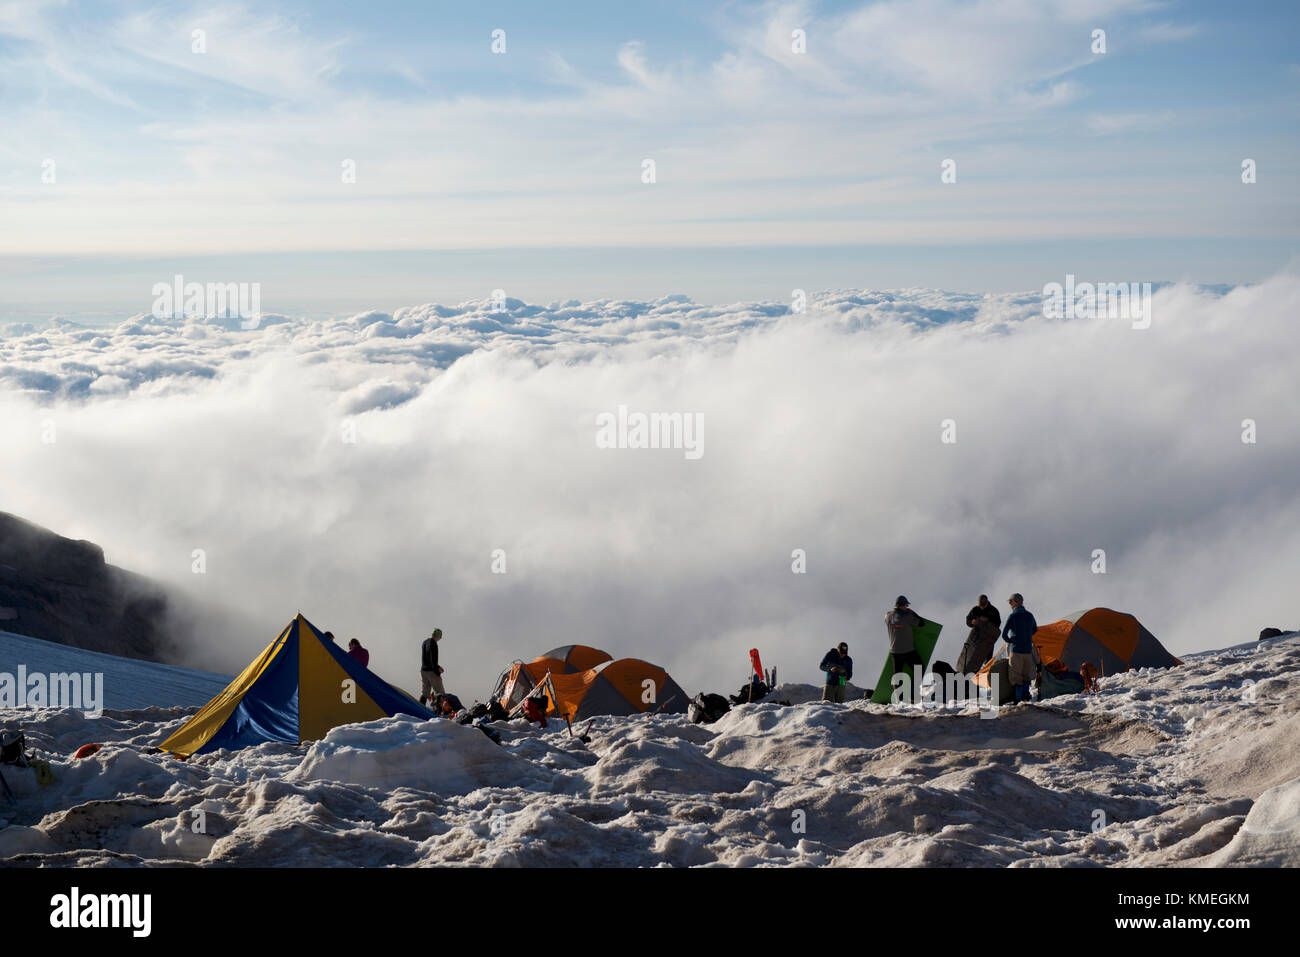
263	53
1110	123
1167	32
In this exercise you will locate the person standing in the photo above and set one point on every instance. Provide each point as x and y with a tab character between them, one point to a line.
839	669
359	653
1019	634
430	670
981	641
899	623
986	608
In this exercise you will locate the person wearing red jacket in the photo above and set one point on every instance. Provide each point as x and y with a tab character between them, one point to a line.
535	710
359	653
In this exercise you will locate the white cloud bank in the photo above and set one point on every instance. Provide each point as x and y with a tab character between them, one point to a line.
475	431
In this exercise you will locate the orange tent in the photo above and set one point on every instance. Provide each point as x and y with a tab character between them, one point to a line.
1112	640
573	658
624	687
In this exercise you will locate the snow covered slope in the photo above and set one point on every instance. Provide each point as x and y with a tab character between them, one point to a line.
1189	766
128	684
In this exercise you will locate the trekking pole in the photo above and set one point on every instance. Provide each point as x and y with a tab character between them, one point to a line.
664	705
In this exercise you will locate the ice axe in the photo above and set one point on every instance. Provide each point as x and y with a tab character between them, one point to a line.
584	737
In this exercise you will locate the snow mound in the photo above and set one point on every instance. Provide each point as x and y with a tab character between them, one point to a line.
1270	835
437	756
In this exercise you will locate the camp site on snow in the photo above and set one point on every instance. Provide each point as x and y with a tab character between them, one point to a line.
574	751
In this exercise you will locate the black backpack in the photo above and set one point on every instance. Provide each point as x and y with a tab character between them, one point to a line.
941	670
707	708
755	690
492	733
13	750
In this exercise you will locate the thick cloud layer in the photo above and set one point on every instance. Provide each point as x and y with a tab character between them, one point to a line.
367	471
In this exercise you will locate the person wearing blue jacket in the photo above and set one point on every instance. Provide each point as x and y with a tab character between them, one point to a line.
839	669
1019	635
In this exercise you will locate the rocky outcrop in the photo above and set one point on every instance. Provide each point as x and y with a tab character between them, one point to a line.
62	590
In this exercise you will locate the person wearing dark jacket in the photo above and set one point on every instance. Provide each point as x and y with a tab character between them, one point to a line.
1019	634
899	623
839	669
978	649
987	608
430	670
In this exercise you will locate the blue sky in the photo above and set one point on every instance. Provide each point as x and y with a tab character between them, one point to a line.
523	170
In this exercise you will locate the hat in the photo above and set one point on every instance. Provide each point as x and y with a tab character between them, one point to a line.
1016	596
901	601
437	633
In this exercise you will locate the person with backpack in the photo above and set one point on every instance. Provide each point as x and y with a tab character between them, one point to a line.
430	670
839	669
1019	634
902	649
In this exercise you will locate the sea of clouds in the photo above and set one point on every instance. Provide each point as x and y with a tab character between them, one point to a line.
371	471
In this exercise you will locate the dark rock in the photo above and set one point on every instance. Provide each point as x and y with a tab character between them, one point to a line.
1270	633
62	590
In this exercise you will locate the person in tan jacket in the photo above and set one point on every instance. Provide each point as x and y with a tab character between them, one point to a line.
899	623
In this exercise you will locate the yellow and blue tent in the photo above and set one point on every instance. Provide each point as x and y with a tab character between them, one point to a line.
294	691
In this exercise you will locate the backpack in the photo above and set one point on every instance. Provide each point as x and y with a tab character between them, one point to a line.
492	733
707	708
751	691
941	670
496	712
478	711
1051	685
13	750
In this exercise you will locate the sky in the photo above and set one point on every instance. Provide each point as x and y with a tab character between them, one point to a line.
134	150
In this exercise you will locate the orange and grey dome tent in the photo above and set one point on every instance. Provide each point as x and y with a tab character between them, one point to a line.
1112	640
574	658
627	686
